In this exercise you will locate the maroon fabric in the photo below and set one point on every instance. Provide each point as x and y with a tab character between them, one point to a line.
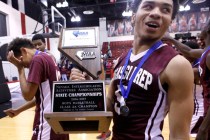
205	81
142	98
42	68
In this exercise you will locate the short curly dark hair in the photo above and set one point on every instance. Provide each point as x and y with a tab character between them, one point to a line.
135	5
18	43
37	37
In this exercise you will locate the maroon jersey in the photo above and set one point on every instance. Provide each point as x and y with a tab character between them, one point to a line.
147	98
43	71
205	81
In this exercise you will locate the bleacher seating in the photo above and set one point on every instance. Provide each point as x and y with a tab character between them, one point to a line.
117	49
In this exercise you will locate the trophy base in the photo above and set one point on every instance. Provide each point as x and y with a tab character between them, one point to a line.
79	122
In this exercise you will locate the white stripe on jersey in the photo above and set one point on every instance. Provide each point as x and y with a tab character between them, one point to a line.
141	54
45	107
160	110
198	98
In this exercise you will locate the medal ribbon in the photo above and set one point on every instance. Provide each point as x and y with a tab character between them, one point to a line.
208	48
37	52
125	93
196	62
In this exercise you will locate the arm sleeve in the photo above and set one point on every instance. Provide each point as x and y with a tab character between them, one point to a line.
36	71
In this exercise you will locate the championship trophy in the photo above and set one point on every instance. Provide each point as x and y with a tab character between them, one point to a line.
80	106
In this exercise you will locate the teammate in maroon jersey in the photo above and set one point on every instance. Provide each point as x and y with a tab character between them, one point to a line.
198	89
203	72
37	88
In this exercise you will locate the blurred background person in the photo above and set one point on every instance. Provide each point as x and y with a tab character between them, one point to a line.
202	21
192	23
183	23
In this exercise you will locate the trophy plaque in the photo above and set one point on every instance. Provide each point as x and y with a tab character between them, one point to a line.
80	106
81	46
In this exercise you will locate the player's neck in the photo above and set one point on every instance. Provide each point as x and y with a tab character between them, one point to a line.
140	45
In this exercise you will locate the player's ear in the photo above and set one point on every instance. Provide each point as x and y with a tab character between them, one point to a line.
133	18
22	49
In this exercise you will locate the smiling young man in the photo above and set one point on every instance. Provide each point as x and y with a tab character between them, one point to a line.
37	88
151	79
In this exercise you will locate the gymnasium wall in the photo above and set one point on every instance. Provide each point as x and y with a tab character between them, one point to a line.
20	25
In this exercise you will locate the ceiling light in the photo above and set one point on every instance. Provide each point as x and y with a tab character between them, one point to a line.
198	1
63	4
187	7
88	12
127	13
182	8
75	19
58	5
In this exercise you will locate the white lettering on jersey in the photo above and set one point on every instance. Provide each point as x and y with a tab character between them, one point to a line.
143	78
200	70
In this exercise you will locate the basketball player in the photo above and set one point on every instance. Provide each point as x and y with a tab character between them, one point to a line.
204	72
39	42
150	79
37	87
198	90
198	94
